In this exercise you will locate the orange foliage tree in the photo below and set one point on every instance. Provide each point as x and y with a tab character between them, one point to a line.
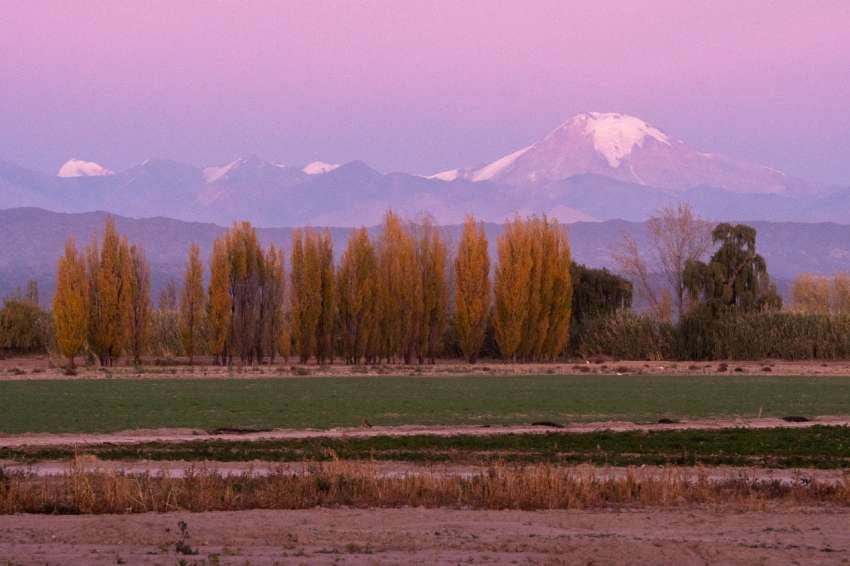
192	304
356	299
71	303
472	289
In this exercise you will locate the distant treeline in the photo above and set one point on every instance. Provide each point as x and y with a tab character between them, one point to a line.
400	295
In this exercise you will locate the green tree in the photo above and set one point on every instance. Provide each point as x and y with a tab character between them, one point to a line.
735	280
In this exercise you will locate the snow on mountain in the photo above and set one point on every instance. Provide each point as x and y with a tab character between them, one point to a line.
319	167
80	168
450	175
628	149
500	165
212	174
615	135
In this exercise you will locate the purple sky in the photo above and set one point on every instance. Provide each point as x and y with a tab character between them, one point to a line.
418	86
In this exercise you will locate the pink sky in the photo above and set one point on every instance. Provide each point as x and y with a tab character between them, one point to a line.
418	86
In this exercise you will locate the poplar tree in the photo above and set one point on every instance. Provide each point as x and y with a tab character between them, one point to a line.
219	303
431	261
305	292
546	327
140	304
511	287
560	302
192	304
110	293
399	290
356	298
71	303
273	331
472	289
327	317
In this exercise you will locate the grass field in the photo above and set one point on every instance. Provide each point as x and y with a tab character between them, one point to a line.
112	405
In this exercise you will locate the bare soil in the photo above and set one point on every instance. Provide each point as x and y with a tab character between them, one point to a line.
45	367
434	536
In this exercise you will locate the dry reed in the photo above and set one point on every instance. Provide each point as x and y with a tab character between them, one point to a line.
360	485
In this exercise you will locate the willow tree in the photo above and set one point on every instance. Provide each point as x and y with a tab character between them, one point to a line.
139	333
433	312
192	305
472	289
735	280
71	303
356	298
399	290
110	295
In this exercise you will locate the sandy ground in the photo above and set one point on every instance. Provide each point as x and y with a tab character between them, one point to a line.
189	435
435	536
43	367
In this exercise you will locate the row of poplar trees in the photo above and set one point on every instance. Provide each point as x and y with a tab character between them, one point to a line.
390	298
102	303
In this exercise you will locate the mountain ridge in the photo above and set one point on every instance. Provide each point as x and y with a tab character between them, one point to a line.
594	166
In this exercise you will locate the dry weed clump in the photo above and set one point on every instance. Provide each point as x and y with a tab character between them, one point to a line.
360	485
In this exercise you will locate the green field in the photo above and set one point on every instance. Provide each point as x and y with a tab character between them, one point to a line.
113	405
814	447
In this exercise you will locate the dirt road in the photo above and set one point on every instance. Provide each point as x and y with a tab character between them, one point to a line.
42	367
434	536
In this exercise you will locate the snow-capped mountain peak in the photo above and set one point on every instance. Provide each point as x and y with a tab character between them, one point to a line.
79	168
319	167
615	135
624	148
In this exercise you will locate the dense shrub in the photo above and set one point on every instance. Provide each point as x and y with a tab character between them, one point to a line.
783	335
698	336
597	293
627	335
24	327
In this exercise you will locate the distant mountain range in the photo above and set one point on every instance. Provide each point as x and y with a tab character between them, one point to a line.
593	167
33	239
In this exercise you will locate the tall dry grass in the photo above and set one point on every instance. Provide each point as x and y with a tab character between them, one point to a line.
360	485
